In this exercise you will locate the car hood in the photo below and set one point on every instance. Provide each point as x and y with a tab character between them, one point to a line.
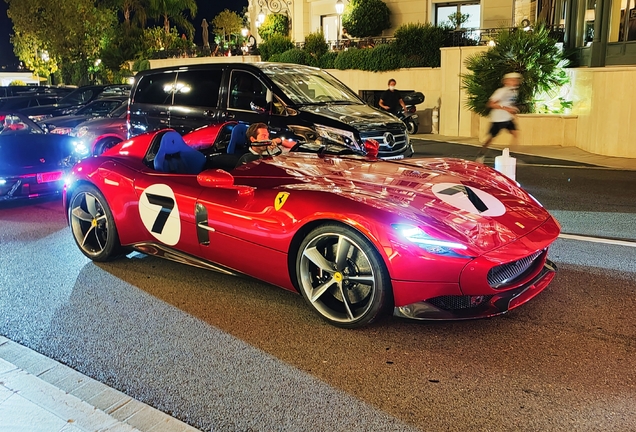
65	121
33	153
362	117
49	109
453	198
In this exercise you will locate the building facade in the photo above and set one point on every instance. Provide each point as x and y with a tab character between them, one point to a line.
601	32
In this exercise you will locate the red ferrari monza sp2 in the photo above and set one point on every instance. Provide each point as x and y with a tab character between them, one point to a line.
429	239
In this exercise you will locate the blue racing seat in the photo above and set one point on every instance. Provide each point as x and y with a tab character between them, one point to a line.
238	140
175	156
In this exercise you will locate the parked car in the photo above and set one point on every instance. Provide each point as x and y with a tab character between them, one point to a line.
7	91
76	100
101	107
32	162
292	99
20	103
95	136
356	236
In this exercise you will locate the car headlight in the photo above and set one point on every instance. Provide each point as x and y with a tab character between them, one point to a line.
80	148
79	132
39	118
429	243
61	130
340	136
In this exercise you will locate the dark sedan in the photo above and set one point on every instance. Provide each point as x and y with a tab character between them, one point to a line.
32	162
102	107
75	100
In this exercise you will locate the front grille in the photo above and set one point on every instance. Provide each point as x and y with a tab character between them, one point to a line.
453	303
400	141
505	274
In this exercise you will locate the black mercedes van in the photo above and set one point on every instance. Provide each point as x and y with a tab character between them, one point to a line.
294	100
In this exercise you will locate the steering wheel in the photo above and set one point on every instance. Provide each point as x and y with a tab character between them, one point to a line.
323	98
268	149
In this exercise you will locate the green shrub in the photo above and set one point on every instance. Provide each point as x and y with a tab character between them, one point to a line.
276	44
315	46
533	54
381	58
274	25
141	65
17	82
364	18
327	60
353	58
295	55
420	44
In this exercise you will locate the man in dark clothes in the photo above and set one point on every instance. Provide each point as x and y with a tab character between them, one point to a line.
391	99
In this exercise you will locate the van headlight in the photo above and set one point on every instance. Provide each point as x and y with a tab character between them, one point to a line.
340	136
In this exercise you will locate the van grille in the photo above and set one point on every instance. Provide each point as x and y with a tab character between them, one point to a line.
392	142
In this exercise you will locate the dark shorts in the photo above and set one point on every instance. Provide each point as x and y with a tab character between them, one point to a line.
496	127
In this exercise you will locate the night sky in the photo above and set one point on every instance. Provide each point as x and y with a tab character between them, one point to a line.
207	9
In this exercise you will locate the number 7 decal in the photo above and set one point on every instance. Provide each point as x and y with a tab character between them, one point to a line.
159	213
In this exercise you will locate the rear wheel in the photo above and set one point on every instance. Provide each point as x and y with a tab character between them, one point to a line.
411	126
104	145
342	276
92	224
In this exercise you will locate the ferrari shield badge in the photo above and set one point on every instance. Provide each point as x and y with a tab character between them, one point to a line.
280	200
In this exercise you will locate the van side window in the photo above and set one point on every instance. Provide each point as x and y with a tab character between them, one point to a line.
198	88
245	88
155	89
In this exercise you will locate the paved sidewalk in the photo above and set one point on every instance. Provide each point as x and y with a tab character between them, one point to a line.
573	154
38	394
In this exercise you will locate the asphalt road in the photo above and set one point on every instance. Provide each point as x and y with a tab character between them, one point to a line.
232	354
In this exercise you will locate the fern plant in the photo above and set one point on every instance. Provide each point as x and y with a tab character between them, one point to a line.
533	54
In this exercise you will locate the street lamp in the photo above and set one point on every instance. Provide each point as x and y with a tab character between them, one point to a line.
261	17
339	11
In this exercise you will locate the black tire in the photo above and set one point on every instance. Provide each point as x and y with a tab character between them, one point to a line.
105	144
92	224
342	276
411	127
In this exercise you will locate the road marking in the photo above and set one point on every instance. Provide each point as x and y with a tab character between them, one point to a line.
598	240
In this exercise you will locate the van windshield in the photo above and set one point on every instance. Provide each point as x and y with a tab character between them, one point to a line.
311	86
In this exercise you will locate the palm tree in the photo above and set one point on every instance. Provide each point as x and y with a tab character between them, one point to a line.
138	7
173	10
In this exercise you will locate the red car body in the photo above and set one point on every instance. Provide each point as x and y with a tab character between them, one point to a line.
428	238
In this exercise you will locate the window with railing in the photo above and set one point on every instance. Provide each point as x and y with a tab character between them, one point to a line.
623	21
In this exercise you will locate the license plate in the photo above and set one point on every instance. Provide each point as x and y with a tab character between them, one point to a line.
49	176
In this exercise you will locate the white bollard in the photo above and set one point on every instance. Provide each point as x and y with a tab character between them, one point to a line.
506	165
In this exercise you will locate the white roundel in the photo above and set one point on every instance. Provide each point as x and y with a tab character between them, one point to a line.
160	214
469	199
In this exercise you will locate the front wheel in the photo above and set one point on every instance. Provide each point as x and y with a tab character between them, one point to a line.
411	126
92	224
105	145
342	276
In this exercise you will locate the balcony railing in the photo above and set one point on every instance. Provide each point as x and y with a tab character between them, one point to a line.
461	37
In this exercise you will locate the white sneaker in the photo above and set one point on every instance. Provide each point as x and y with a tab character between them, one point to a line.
480	159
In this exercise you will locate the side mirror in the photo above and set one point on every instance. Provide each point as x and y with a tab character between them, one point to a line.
215	178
